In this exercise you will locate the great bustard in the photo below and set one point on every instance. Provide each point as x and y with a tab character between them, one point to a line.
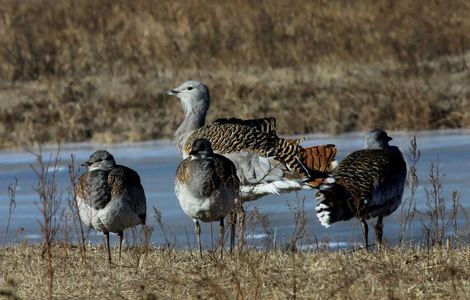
207	186
368	183
110	197
265	162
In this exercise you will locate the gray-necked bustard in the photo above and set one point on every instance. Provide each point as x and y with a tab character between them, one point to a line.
110	197
265	162
207	186
368	183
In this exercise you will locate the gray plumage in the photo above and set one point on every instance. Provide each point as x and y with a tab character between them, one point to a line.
206	186
110	197
367	183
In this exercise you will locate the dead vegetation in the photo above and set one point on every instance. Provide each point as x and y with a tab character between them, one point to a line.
96	70
396	273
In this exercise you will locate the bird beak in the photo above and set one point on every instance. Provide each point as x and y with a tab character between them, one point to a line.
86	164
390	139
172	92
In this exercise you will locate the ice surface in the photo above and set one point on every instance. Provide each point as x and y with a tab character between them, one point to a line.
156	163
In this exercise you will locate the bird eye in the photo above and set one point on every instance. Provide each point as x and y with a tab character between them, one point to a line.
190	88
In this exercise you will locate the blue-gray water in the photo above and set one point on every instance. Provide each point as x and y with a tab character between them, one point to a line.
156	163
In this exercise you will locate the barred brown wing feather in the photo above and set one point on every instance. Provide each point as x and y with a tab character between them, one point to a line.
228	137
366	171
318	158
263	124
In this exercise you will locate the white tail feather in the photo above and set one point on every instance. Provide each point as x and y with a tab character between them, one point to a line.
274	187
323	214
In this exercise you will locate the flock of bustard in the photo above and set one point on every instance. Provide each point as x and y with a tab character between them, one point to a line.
230	161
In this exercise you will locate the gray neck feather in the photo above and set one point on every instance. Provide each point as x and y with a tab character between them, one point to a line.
378	144
375	144
195	117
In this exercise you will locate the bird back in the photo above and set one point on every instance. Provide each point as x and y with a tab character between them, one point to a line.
204	176
365	181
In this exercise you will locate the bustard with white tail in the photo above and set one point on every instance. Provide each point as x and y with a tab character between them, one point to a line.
368	183
207	186
110	197
265	162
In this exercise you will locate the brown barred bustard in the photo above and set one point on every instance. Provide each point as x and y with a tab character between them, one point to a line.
206	186
110	197
265	163
368	183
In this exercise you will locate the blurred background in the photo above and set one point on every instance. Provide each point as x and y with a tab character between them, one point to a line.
96	70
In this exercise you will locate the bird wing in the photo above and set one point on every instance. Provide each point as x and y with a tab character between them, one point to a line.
263	124
372	177
125	180
319	161
226	170
232	137
238	137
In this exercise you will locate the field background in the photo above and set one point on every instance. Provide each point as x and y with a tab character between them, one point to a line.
97	70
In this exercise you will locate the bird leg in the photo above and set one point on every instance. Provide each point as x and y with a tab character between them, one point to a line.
379	228
233	221
221	237
107	246
197	231
365	231
121	235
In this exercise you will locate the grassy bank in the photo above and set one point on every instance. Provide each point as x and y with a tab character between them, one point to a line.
96	70
397	273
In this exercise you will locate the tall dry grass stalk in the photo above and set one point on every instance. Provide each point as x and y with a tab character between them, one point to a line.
166	232
73	205
12	187
300	221
49	204
441	214
408	207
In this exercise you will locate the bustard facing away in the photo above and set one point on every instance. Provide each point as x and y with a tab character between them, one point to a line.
368	183
110	197
265	162
207	186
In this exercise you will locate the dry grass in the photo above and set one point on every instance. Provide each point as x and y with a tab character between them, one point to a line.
397	273
96	70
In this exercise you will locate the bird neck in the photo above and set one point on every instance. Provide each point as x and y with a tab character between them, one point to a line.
379	145
194	119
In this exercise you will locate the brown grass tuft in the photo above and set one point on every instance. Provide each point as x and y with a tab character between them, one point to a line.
398	273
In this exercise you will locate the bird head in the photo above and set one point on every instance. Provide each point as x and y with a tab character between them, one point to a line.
201	148
377	139
193	94
100	160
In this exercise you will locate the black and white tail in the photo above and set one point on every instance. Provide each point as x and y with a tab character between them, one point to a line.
332	204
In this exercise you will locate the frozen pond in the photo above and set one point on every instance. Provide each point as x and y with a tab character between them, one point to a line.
156	163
